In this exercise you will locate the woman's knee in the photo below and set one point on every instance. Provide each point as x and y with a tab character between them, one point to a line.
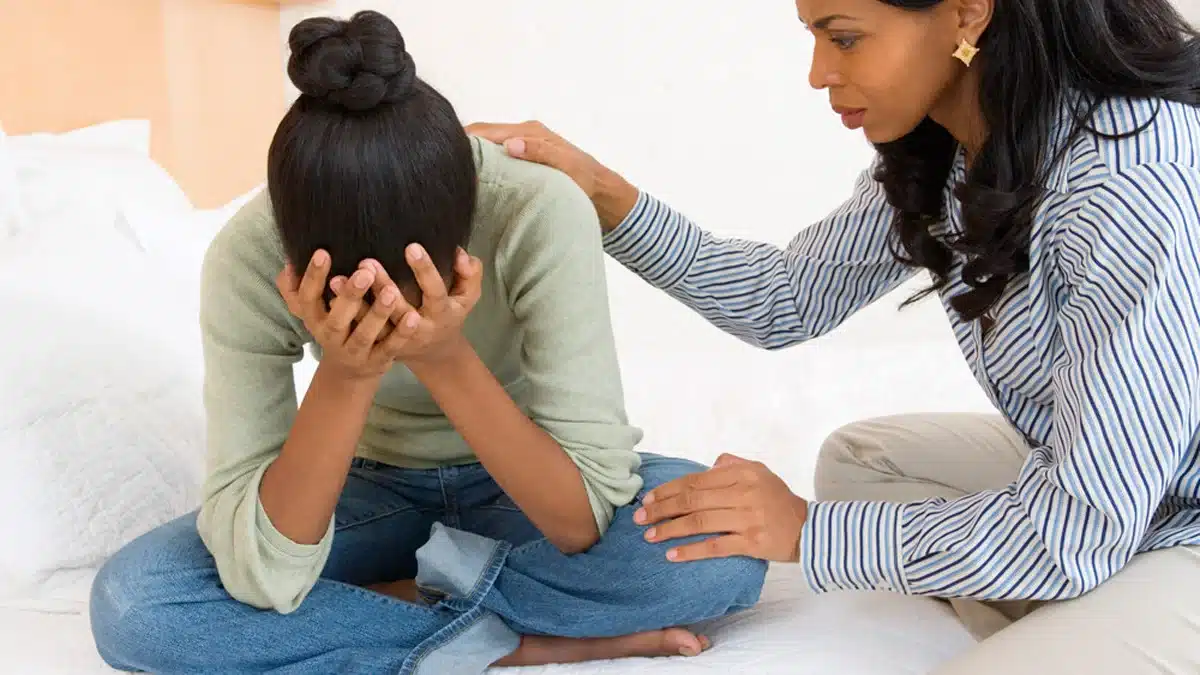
842	464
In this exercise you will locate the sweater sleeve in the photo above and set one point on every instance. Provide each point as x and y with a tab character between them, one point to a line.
551	267
1126	412
762	294
250	344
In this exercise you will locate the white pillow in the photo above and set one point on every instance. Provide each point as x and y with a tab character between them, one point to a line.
101	418
88	179
130	135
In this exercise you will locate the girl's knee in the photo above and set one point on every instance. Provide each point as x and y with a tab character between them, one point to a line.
118	611
658	469
131	588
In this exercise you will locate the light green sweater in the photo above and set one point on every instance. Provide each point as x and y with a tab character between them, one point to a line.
542	326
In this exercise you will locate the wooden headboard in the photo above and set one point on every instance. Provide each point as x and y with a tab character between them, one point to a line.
208	74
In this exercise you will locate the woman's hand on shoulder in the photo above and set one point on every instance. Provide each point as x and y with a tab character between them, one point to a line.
612	195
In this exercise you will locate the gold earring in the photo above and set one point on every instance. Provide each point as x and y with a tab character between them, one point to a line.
966	52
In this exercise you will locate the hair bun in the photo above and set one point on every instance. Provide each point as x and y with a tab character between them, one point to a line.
355	64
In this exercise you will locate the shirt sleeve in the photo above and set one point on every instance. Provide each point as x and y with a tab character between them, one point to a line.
762	294
551	267
250	345
1126	410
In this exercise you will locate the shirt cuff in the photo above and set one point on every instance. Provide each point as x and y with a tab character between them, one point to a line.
655	242
287	549
853	546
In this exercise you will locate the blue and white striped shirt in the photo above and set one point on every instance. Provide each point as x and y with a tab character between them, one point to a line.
1094	356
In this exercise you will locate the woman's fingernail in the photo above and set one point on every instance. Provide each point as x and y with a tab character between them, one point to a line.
650	533
388	296
688	651
320	258
336	285
673	554
412	319
362	280
649	498
416	252
639	516
515	146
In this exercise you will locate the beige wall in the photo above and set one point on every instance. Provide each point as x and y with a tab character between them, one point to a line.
206	73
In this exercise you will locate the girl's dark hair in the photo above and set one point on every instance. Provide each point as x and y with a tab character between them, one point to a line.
1036	55
369	158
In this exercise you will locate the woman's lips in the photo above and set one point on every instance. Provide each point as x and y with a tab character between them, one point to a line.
851	117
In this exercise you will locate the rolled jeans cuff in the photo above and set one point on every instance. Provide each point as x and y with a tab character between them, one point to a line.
455	570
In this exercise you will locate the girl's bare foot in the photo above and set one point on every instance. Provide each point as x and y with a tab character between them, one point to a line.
405	589
539	650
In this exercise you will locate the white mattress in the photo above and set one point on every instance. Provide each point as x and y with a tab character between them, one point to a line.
790	632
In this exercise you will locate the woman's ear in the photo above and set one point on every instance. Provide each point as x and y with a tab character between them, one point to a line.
974	17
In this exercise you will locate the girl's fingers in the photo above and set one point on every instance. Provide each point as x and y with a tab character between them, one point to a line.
372	322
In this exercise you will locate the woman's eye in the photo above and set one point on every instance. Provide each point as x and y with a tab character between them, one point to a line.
844	42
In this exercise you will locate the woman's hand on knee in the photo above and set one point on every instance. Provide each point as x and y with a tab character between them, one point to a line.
750	509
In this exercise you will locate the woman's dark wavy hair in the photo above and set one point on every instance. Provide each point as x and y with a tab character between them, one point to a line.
369	158
1034	53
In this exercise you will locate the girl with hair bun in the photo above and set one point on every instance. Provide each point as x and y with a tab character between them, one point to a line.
457	488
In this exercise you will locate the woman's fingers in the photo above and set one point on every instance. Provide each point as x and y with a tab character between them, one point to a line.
718	477
534	142
504	132
714	547
690	501
712	521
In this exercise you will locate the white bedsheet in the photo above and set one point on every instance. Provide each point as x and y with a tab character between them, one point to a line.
790	632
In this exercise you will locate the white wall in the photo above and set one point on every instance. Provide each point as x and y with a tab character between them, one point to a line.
707	105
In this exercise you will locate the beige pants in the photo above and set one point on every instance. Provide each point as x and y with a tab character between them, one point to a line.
1145	619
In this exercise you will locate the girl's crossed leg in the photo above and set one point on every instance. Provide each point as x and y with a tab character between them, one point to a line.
158	605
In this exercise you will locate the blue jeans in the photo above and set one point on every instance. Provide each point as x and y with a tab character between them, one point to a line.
487	575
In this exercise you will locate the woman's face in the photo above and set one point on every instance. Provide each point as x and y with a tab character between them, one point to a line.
886	68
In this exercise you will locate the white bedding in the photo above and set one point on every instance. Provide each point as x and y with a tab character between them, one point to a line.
789	633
